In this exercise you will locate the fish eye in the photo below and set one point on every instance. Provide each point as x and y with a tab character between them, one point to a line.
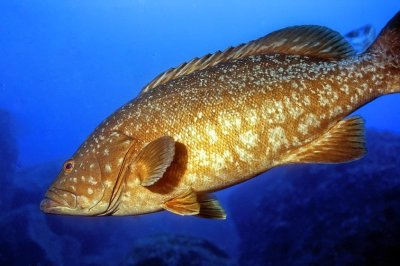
68	166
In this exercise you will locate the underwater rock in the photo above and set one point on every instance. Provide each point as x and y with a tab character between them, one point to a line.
32	254
16	246
344	214
8	155
30	183
8	143
176	250
361	38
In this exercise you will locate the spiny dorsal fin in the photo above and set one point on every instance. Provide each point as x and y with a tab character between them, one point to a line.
313	41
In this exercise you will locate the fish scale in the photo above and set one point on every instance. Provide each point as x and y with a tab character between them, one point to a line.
222	119
226	97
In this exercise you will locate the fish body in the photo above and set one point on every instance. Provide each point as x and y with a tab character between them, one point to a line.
225	118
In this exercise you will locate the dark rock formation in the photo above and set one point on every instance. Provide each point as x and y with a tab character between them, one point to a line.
8	156
344	214
16	246
176	250
361	38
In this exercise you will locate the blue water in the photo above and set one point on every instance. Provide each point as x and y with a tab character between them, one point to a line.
66	65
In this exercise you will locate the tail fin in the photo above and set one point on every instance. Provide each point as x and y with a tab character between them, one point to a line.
386	49
388	40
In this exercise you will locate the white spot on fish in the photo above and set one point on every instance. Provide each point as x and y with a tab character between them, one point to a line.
191	178
277	138
92	181
202	157
107	183
90	191
310	120
84	201
107	168
249	139
217	162
243	154
251	117
335	111
212	134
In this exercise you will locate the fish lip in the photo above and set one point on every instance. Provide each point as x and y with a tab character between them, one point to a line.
48	205
54	203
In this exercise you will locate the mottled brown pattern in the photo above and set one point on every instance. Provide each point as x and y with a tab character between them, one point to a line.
231	121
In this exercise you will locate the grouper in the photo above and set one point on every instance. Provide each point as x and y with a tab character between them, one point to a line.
224	118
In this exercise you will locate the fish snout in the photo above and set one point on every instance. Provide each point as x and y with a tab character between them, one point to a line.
58	201
47	204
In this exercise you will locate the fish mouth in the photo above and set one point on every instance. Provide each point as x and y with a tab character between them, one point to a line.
58	201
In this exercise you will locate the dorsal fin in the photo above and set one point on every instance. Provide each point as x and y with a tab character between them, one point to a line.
316	41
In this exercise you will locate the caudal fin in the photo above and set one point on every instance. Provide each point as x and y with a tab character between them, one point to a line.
388	41
386	49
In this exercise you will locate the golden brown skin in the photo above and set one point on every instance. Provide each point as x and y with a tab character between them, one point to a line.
230	122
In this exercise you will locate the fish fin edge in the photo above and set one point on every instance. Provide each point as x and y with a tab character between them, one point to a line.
344	142
203	205
309	40
186	204
154	159
210	208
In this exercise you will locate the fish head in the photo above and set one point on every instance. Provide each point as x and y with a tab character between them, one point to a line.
85	183
76	190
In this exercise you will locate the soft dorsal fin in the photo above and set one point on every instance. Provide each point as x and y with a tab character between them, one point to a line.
316	41
344	142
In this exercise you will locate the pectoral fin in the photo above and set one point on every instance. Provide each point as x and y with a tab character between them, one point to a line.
342	143
154	159
204	206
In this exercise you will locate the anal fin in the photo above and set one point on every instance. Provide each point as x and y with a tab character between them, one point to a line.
344	142
184	205
190	203
210	208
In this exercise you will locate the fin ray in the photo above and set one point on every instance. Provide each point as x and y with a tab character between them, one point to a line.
204	206
152	162
210	208
184	205
311	40
344	142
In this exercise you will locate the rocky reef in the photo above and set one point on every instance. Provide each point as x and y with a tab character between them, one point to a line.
8	155
176	250
343	214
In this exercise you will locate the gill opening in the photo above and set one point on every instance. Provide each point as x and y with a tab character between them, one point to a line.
117	191
104	189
